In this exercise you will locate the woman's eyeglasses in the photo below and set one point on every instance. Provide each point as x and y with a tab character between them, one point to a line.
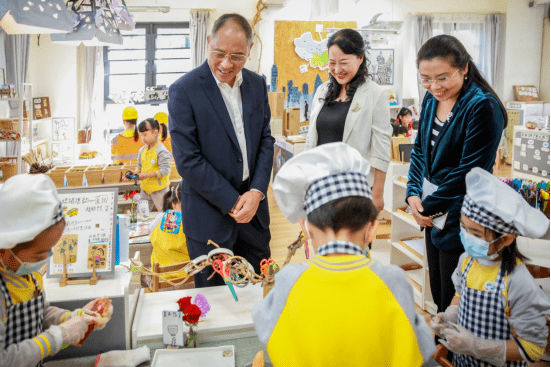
233	57
442	80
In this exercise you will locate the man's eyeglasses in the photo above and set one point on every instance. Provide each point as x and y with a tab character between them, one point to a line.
233	57
439	81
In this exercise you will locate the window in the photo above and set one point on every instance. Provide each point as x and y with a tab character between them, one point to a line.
151	55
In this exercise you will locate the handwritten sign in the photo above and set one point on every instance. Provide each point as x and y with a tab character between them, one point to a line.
173	328
89	235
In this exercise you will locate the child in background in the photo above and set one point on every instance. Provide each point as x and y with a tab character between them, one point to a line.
162	117
153	162
125	146
404	118
169	241
32	222
341	308
498	314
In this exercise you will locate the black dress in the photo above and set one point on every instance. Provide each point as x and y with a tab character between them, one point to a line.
330	122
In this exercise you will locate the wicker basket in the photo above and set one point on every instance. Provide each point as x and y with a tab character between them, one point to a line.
112	174
94	175
57	176
75	175
174	175
130	167
61	168
13	125
8	170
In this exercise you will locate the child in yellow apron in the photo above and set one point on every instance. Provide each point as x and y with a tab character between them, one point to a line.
125	146
162	117
153	162
167	235
498	315
32	222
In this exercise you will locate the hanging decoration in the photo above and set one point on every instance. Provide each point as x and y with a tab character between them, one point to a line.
97	22
31	17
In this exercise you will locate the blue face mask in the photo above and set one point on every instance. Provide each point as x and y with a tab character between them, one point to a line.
476	247
27	268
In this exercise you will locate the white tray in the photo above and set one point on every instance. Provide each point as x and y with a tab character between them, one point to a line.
223	356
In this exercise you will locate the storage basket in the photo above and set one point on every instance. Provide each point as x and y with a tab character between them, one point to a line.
57	176
94	175
75	175
13	125
174	175
112	174
8	170
130	167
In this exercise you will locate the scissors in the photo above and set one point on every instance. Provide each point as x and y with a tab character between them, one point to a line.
219	267
265	266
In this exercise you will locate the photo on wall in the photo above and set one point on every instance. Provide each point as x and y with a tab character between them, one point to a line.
381	66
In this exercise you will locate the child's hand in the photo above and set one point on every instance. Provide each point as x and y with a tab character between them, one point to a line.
462	341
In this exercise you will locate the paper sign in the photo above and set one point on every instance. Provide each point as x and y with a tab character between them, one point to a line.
303	68
173	328
68	245
319	27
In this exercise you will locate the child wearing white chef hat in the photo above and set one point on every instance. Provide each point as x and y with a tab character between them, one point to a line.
341	308
498	314
31	223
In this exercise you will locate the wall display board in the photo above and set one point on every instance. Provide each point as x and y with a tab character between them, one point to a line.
531	152
301	60
89	234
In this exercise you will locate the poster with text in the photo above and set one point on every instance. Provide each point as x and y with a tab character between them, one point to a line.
89	234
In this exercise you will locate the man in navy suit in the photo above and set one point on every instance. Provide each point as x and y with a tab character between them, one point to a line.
223	148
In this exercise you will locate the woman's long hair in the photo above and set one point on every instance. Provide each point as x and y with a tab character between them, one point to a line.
351	43
451	49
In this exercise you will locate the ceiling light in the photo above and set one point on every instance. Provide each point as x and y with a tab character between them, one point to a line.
35	16
149	9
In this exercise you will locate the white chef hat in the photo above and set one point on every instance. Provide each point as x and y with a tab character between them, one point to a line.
493	204
318	176
30	205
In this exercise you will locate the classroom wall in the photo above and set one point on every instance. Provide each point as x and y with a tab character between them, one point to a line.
52	67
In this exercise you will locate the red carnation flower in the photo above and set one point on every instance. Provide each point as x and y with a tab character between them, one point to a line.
192	314
184	302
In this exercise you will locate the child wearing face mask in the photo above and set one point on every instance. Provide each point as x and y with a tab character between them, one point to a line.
498	314
341	294
32	221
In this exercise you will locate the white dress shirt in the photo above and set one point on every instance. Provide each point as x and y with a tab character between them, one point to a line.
234	104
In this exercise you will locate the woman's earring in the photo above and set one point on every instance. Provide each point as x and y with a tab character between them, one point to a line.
465	77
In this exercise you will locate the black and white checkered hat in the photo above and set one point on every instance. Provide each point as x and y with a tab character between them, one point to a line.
334	187
493	204
30	205
318	176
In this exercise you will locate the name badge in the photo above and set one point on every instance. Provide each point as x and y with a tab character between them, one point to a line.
152	161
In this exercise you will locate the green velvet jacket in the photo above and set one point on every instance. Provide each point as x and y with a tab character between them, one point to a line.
469	139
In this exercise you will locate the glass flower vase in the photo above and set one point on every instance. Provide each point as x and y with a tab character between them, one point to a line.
133	213
190	337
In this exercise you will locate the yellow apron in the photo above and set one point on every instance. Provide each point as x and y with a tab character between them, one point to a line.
168	249
150	163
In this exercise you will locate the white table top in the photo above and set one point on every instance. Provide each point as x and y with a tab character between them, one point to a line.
225	315
110	286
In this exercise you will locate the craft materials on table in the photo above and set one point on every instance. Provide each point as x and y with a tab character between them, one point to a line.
535	193
139	229
234	269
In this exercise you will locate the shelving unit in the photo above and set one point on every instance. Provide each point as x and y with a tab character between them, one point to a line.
413	261
25	94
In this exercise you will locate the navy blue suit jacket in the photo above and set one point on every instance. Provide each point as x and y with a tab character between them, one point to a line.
207	153
470	139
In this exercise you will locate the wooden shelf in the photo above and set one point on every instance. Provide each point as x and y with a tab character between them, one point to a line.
406	218
415	277
401	184
407	252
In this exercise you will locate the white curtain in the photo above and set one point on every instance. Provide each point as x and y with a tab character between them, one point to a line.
480	34
424	31
321	8
90	85
17	64
198	31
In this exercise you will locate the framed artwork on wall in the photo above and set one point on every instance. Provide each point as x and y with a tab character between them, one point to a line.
381	66
63	128
62	153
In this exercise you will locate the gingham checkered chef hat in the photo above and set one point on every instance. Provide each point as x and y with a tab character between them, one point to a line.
318	176
493	204
29	204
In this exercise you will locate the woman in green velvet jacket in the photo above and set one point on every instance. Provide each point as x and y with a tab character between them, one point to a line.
460	127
